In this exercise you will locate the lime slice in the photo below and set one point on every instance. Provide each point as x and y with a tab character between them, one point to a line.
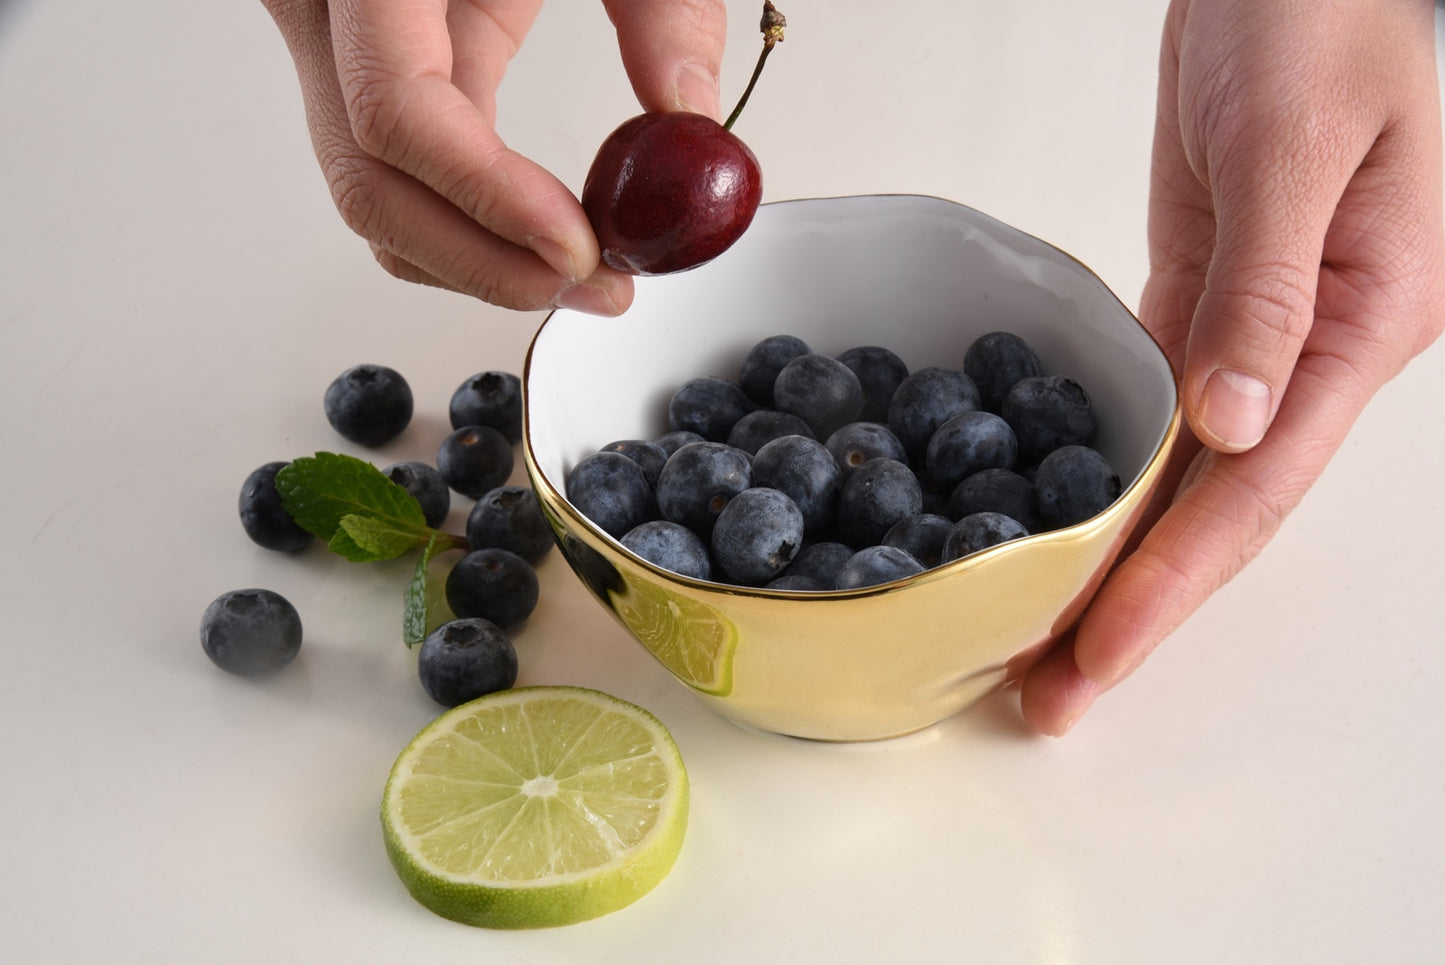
691	638
535	807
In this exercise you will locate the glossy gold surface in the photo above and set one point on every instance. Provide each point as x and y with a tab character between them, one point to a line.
886	661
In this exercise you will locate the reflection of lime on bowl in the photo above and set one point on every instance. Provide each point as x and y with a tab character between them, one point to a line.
922	277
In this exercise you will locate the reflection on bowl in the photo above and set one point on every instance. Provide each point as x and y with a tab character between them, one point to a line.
922	277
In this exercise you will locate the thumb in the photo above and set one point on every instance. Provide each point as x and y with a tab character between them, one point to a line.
672	50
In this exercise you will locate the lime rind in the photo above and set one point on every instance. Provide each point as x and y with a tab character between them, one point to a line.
584	813
691	638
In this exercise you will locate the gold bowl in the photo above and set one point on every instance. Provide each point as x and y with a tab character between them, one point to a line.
922	277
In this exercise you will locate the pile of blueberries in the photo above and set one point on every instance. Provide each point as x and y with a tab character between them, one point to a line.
490	590
815	472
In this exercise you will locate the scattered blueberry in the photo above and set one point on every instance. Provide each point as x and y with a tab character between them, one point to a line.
250	632
762	426
970	442
921	536
649	455
980	531
925	400
996	362
698	481
880	372
875	565
494	584
804	469
262	516
475	459
708	406
466	659
510	518
612	491
489	399
671	546
426	485
996	491
1074	483
821	390
857	442
764	361
1046	412
878	494
757	535
369	404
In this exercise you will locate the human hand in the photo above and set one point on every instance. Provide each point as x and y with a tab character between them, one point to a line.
400	100
1297	264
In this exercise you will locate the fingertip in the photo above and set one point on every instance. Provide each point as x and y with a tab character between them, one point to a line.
1233	411
695	88
1055	694
607	293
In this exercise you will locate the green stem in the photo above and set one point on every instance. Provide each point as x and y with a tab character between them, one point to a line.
772	26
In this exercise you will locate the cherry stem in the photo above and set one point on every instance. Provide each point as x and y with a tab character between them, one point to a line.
772	26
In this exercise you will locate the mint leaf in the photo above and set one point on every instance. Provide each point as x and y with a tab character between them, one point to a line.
320	491
382	538
414	613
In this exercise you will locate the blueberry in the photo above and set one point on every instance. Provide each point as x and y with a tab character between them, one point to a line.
875	565
820	390
698	482
878	494
757	535
708	406
510	518
612	491
797	583
1046	412
262	516
762	426
857	442
803	468
489	399
980	531
466	659
926	400
671	546
880	372
426	485
494	584
764	361
820	562
475	459
369	404
970	442
250	632
921	536
996	491
673	441
1073	484
649	455
996	362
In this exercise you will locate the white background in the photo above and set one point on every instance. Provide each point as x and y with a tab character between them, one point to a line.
176	291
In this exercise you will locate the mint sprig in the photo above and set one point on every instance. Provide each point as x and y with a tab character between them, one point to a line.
365	517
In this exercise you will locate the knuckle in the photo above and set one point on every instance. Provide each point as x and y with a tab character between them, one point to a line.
356	193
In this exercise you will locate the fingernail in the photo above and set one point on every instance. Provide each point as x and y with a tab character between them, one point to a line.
696	89
558	258
1235	408
585	298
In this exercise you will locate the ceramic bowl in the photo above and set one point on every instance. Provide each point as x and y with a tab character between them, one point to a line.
923	277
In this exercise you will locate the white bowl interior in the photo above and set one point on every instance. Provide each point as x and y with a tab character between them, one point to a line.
918	275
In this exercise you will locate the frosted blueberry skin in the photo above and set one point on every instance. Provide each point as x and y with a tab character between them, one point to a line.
489	399
926	400
651	456
920	536
820	390
251	632
611	491
368	404
804	469
426	485
262	516
798	583
980	531
857	442
671	546
510	518
1047	412
1074	483
673	441
878	494
880	372
875	565
698	482
493	584
996	362
820	562
761	426
708	406
970	442
763	362
466	659
757	535
475	459
997	491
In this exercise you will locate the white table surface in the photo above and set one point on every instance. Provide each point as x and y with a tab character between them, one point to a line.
177	292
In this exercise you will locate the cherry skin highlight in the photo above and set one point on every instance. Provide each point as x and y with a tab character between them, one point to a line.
670	191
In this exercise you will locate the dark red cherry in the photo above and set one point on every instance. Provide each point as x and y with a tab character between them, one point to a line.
670	191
